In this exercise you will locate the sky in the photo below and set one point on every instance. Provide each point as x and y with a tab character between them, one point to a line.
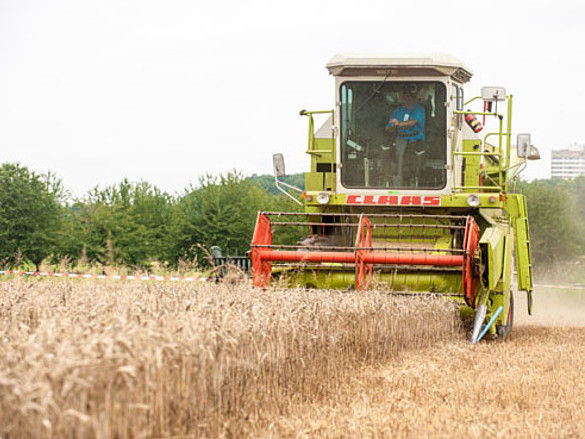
167	91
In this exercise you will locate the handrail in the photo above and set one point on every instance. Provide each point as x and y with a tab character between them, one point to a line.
311	144
318	151
478	188
497	154
492	134
508	141
307	113
479	113
471	100
503	164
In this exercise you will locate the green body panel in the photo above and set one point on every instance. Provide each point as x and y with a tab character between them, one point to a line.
517	210
325	154
507	274
500	295
335	277
322	175
492	245
471	163
313	182
322	152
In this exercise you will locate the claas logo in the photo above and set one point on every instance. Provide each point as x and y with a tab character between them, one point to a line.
393	200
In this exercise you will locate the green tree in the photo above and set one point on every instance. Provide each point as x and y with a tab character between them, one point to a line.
69	237
132	224
221	211
30	214
555	213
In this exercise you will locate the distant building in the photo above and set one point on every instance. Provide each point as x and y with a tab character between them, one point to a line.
568	162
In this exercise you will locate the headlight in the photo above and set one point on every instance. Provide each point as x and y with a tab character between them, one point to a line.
323	198
473	200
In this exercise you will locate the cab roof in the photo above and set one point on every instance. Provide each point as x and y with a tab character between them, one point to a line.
432	65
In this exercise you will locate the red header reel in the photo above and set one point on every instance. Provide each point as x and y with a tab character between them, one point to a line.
364	254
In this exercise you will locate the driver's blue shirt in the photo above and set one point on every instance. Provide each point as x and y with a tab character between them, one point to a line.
402	114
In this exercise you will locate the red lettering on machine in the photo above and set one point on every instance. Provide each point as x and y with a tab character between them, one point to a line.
394	200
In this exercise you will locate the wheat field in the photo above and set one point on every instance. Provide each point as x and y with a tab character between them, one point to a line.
109	359
531	386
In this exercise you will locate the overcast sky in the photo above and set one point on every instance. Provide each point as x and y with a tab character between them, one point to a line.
165	91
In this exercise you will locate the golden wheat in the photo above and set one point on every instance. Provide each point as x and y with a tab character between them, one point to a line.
112	359
531	386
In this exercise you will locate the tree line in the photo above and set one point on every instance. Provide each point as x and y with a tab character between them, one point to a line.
556	214
127	224
137	224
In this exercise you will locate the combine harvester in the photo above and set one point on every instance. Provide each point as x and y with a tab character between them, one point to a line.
403	192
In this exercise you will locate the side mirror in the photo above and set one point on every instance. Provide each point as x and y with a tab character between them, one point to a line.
493	94
278	164
534	154
525	149
523	145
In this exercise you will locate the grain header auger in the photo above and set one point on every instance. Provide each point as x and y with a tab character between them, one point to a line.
407	192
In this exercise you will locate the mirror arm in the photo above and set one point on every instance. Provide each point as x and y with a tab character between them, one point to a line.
290	186
284	191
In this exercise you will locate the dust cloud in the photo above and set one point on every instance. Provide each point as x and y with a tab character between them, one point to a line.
552	307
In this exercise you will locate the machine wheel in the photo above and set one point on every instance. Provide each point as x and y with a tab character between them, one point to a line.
505	330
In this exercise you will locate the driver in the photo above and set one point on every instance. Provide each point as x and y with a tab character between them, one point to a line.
409	122
409	117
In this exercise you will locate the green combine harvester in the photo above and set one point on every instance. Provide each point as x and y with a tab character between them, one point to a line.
407	193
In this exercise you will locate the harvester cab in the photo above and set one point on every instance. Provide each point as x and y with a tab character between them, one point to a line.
407	191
